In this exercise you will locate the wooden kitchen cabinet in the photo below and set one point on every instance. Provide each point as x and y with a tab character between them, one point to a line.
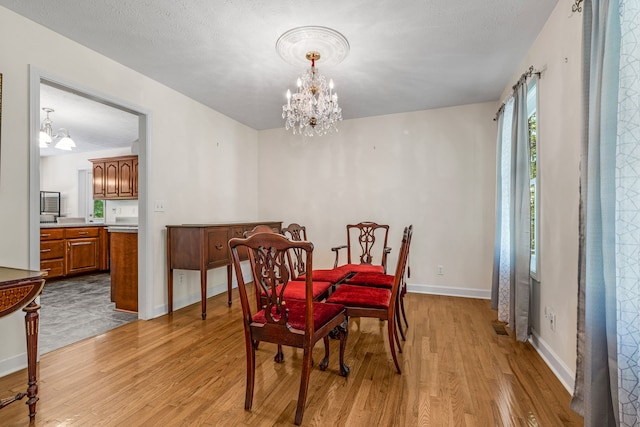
83	249
52	252
99	181
124	270
115	178
71	250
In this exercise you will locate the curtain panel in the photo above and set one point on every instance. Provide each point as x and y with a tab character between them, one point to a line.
511	285
607	367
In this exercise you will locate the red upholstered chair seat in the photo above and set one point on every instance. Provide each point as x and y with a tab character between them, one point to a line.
296	290
372	279
322	313
363	268
333	275
361	296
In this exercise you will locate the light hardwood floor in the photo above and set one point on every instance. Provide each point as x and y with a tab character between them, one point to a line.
180	370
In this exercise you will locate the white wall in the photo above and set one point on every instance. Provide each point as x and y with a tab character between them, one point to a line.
557	52
201	163
60	173
434	169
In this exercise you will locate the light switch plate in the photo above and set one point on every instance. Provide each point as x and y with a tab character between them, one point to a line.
159	206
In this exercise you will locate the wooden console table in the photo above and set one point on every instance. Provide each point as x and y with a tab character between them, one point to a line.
203	247
18	290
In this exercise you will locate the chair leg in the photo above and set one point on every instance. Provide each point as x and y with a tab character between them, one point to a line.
325	362
404	315
391	329
396	320
279	357
399	322
251	373
304	383
343	334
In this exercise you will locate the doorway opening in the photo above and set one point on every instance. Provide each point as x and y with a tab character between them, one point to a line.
98	136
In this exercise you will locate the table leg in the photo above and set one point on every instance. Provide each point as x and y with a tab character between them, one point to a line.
203	291
170	288
229	277
31	324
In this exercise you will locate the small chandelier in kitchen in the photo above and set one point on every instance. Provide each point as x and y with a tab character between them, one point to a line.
313	108
46	134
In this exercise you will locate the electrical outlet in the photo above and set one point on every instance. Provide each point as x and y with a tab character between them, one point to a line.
441	270
181	278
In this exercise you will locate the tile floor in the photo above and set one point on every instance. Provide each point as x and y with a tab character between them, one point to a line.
77	308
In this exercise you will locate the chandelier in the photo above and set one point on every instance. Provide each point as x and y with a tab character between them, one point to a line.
46	134
313	109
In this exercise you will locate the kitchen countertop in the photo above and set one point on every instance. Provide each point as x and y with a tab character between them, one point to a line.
87	224
122	228
80	224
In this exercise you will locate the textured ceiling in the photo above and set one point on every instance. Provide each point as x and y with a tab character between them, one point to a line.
406	55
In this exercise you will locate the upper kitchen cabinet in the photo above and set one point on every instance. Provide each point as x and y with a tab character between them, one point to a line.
115	177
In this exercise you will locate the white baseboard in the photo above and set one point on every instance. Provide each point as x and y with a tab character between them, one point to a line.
162	309
449	291
562	371
13	364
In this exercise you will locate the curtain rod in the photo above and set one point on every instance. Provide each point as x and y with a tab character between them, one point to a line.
523	78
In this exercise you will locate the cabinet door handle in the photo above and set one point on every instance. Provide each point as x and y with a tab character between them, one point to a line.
44	250
83	232
45	235
79	243
219	247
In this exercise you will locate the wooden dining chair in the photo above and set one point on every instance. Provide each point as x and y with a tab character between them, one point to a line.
295	323
335	276
369	301
362	247
380	280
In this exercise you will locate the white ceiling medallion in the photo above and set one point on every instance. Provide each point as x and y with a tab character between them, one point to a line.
293	45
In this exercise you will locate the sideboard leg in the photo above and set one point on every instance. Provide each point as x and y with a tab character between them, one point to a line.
229	277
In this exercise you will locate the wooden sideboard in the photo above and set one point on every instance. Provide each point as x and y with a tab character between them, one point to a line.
18	290
203	247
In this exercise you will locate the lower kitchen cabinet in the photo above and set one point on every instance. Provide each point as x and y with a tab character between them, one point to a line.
124	270
69	251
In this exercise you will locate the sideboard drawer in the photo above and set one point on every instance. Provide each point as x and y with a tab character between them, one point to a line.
218	249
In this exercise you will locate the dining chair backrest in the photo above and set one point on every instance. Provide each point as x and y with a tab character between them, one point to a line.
267	252
296	233
366	244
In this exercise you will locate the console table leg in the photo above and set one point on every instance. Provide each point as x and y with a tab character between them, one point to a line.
31	324
229	277
203	291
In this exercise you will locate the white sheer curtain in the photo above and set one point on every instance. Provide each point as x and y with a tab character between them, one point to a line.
512	252
607	372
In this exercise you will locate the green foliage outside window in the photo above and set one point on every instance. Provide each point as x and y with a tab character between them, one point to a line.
98	208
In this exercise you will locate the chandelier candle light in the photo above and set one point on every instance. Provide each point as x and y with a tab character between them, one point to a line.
313	109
